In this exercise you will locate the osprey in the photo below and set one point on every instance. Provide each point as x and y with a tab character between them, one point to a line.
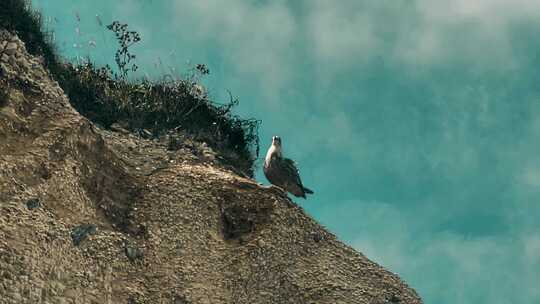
282	172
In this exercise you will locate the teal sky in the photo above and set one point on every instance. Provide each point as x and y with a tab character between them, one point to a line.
416	122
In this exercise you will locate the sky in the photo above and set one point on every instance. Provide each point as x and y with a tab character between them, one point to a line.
416	122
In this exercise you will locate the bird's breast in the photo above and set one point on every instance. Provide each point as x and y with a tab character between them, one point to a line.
270	156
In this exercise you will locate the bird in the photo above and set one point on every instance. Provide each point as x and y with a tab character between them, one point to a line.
282	172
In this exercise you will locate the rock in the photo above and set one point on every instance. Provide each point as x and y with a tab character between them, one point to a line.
60	300
131	300
43	171
79	233
133	253
317	237
179	299
71	293
11	48
209	157
17	297
145	134
118	128
174	143
33	203
394	299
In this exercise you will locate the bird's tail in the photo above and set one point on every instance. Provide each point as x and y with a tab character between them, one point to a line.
308	191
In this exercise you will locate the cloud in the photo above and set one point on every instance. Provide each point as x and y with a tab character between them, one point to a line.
422	32
256	39
338	32
469	31
444	265
531	176
492	12
532	249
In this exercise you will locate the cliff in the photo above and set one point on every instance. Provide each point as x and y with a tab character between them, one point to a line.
89	215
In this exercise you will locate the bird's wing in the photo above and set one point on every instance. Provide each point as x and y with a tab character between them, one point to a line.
289	167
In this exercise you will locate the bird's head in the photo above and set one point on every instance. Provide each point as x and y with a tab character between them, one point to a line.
276	141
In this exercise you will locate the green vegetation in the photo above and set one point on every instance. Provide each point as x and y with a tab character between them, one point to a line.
126	39
17	16
154	108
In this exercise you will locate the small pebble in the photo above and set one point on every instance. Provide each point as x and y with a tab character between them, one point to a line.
79	233
133	253
33	203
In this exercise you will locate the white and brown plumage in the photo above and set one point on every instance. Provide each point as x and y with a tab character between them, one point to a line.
282	172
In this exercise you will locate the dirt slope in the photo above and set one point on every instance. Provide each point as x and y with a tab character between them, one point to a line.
94	216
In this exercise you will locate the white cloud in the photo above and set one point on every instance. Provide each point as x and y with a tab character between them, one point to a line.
473	32
424	32
531	176
254	38
532	249
338	32
447	266
493	12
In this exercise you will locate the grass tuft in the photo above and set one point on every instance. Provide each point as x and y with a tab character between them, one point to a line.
154	108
